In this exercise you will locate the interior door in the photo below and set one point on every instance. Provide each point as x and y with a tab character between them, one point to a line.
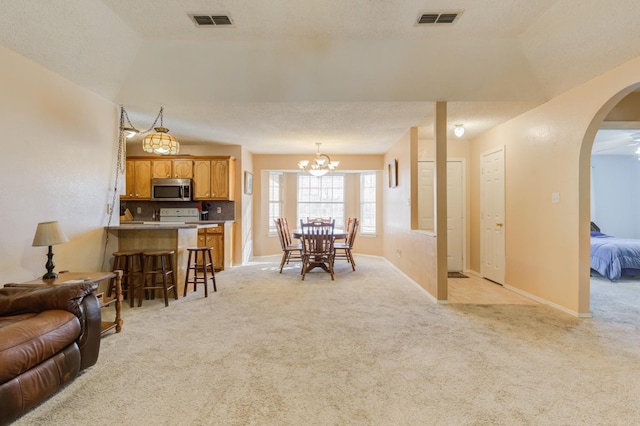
492	242
455	208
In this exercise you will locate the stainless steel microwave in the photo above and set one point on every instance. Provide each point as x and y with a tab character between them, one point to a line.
171	189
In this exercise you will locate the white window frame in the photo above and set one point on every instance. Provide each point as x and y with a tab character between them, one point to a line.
337	207
275	204
368	203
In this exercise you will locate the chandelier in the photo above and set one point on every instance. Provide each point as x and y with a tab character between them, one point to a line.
160	142
319	166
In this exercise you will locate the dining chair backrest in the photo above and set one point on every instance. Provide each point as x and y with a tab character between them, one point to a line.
320	220
278	222
317	238
286	232
353	231
347	230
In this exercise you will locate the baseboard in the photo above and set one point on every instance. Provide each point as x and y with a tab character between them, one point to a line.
546	302
536	298
429	295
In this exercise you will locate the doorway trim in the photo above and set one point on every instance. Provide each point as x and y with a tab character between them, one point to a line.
584	200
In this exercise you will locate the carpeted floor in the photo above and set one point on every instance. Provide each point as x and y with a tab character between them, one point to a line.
369	348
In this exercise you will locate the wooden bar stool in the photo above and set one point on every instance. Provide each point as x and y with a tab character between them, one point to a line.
200	259
130	263
158	264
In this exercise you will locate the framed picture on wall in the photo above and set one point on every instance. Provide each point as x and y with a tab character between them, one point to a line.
248	183
393	174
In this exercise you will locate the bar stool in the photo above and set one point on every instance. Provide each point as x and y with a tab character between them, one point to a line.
130	263
157	263
197	262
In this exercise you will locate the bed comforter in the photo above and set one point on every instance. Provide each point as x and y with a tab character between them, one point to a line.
613	257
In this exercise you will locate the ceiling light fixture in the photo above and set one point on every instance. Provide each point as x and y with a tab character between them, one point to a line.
319	166
458	130
129	132
160	142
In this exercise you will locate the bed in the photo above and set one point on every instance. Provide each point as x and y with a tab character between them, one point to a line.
614	257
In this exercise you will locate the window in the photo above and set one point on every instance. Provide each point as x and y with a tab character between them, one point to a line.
321	197
275	199
368	188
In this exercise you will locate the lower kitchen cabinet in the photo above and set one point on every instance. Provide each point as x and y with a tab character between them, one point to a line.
213	237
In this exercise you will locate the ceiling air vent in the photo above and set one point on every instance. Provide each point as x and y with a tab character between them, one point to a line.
203	20
438	18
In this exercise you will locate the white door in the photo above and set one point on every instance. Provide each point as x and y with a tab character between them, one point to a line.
492	239
455	208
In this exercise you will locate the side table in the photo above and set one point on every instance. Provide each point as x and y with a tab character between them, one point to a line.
93	277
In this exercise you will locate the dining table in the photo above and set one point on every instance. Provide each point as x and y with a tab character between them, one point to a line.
338	234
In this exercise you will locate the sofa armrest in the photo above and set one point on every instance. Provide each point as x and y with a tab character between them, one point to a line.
77	298
91	322
22	300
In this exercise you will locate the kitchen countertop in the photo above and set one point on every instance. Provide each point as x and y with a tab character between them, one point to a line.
166	225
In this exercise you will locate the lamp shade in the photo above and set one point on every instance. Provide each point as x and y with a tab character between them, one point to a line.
49	234
161	142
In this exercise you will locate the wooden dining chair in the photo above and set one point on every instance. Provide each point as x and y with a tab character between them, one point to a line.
322	220
317	246
290	250
344	250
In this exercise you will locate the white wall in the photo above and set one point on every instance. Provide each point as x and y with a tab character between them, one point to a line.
58	163
616	202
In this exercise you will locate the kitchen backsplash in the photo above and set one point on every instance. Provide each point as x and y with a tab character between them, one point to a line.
143	210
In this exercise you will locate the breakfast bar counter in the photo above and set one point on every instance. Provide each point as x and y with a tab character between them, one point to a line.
152	236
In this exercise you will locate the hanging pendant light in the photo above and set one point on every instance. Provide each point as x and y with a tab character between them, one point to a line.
161	142
319	166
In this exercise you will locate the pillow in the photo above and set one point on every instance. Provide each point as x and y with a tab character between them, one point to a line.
598	234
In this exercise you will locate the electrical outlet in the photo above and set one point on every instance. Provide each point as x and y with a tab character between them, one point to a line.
139	210
398	252
109	209
218	210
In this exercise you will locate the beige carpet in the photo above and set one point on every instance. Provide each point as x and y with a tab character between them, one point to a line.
369	348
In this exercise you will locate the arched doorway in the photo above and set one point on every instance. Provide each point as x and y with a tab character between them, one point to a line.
584	296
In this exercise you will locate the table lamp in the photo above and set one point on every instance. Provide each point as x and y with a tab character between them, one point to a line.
49	234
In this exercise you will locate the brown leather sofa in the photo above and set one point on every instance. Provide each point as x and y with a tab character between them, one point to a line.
47	336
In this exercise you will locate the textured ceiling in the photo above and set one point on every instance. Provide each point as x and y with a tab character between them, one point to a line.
354	75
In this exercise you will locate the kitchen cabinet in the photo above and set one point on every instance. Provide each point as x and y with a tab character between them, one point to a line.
179	169
138	180
213	176
213	237
214	179
182	169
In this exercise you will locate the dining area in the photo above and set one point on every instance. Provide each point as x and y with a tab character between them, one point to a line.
316	243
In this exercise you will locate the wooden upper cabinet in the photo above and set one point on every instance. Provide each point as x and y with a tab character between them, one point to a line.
138	179
202	180
161	169
220	179
182	169
164	169
214	179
